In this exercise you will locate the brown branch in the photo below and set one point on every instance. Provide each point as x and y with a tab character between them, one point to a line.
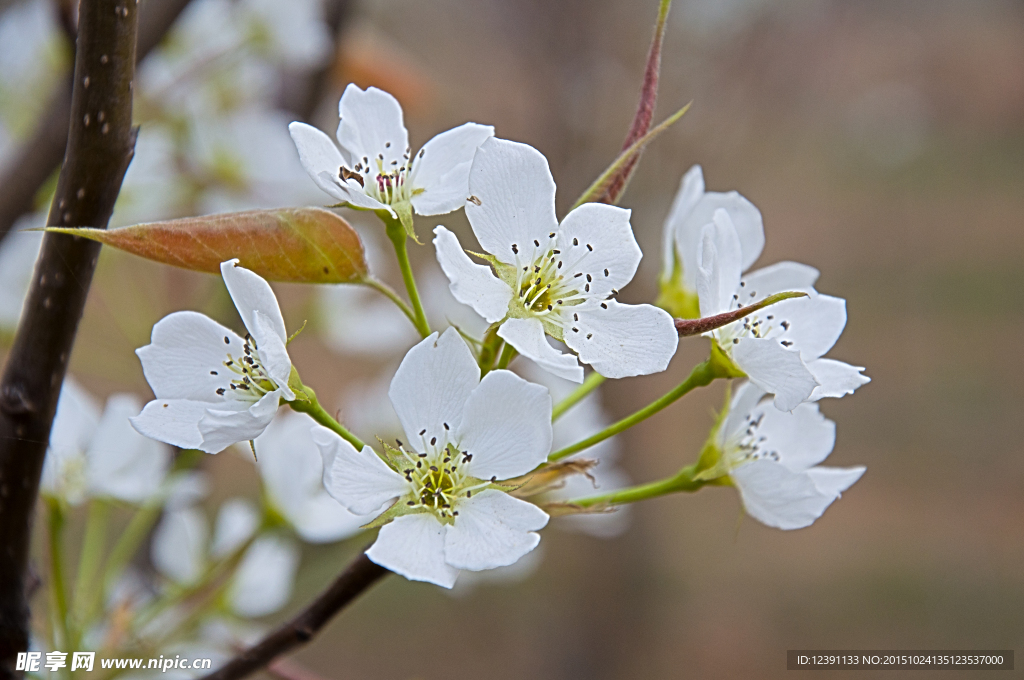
644	108
30	166
688	327
99	149
357	577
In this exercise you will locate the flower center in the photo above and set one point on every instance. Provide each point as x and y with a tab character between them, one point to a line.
751	326
748	444
542	286
253	380
384	181
437	476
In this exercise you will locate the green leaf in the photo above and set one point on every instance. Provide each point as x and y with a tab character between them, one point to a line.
300	245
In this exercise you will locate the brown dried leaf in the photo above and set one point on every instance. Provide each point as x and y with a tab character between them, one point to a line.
299	245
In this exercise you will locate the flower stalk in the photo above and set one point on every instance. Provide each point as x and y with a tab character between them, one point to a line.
306	402
703	374
398	236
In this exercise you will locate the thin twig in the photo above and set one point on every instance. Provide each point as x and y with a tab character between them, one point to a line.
100	146
357	577
29	167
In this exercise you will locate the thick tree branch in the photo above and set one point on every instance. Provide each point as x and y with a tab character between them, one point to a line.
30	166
357	577
100	146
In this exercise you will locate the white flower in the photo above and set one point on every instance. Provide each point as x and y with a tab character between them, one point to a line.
100	456
692	208
779	347
375	169
292	472
18	253
293	32
214	389
772	458
179	544
465	434
265	576
553	278
237	521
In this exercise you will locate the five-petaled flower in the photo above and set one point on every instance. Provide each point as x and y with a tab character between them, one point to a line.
558	279
772	458
375	169
465	436
692	208
780	347
213	388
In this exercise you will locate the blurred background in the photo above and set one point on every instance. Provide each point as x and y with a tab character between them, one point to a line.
883	142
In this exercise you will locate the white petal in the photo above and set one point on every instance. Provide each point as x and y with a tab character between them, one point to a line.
432	384
833	480
371	126
323	520
174	421
492	530
719	265
620	340
356	196
186	355
265	576
506	426
781	276
273	353
744	216
527	336
237	520
289	462
516	195
691	189
179	545
835	378
472	284
413	546
779	497
776	370
121	462
741	411
811	324
802	438
596	240
320	158
359	480
441	168
251	294
230	423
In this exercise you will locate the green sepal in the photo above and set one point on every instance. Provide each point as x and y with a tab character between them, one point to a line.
673	296
404	210
711	464
397	509
293	336
302	392
722	364
394	458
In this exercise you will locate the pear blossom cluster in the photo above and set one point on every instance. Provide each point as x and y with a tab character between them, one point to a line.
484	427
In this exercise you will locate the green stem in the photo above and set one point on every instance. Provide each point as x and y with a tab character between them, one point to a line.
682	481
90	562
58	588
396	232
701	375
312	406
390	294
507	354
130	540
588	386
